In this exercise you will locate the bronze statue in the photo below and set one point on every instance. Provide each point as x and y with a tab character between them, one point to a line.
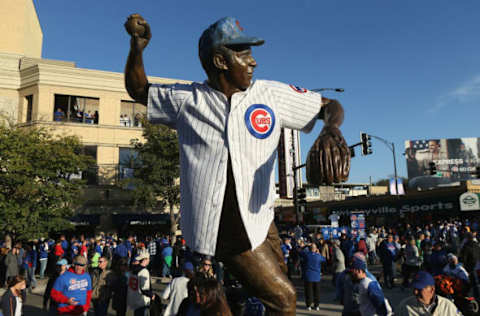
229	129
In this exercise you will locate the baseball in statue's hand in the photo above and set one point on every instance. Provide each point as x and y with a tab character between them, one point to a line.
139	31
328	160
135	25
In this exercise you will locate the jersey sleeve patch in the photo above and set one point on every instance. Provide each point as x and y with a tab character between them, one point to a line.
298	89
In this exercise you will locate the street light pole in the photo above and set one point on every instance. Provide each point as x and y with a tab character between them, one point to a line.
390	146
395	168
329	89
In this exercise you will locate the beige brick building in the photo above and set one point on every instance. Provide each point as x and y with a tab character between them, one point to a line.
91	104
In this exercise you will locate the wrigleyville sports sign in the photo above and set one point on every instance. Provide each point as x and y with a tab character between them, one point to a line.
448	204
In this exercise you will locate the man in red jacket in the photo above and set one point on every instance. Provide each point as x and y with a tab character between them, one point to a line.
362	246
58	250
73	290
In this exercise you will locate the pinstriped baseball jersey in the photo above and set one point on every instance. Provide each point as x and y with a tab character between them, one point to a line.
209	129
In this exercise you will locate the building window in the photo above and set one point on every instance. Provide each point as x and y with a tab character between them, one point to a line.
75	109
131	113
127	162
29	99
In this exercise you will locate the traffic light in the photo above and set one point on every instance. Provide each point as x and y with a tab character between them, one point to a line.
352	151
366	144
477	172
432	168
301	196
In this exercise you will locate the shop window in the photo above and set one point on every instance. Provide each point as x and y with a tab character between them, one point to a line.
29	99
131	114
76	109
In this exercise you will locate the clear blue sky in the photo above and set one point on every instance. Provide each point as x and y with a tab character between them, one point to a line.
410	69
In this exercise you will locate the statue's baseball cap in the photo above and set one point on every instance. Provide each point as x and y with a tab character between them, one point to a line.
226	31
422	280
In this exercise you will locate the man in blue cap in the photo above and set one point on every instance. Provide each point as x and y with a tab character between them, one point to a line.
229	129
424	301
177	290
359	291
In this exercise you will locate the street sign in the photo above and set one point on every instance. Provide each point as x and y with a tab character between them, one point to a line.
470	201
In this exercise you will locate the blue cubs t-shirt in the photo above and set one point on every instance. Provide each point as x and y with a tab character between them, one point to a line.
73	285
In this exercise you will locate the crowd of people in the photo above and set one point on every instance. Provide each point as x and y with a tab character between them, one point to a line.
86	273
416	257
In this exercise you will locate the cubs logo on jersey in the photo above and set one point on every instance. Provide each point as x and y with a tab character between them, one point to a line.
298	89
260	120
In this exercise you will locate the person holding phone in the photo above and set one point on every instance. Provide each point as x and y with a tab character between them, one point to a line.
73	290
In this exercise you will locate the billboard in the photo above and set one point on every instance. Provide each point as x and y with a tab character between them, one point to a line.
455	158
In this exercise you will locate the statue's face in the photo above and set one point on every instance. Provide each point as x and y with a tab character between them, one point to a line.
240	66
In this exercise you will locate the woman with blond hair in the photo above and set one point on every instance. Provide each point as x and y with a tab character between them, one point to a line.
206	269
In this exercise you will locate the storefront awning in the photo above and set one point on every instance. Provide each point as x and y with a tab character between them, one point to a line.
85	219
140	219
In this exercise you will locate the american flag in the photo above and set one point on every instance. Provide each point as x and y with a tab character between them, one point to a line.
419	144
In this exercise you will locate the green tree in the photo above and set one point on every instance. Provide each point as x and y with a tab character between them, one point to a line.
37	194
155	178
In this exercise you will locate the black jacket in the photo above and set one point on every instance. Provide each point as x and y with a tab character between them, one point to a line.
469	255
48	290
9	303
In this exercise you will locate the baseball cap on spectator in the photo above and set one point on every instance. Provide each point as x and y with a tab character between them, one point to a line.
188	266
80	260
422	280
142	255
62	262
358	261
226	31
451	257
